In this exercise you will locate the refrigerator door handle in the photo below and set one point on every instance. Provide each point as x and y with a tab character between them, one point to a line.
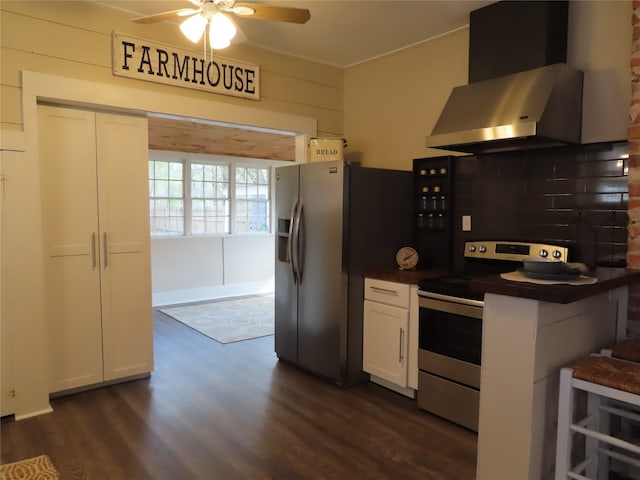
292	222
296	243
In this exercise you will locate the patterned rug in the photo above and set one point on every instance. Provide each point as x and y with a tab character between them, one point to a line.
37	468
228	321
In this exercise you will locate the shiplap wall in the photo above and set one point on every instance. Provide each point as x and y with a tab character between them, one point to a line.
60	40
73	39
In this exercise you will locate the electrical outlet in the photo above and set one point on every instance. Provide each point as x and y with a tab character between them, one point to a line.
466	223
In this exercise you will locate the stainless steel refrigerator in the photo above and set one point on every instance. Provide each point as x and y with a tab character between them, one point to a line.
335	222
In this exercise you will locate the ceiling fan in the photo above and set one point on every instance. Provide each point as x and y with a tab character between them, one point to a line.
215	14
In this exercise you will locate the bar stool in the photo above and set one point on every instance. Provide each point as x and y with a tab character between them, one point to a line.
603	379
628	349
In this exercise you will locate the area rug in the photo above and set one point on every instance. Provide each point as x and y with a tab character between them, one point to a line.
37	468
228	321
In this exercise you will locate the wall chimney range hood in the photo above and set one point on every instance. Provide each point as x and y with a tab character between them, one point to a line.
536	108
521	93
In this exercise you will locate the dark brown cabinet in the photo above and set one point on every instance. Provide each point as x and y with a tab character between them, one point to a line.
433	209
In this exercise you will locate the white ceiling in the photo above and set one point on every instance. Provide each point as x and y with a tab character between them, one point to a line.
340	32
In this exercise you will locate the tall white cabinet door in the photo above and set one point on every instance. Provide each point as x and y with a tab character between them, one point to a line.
70	232
122	153
385	342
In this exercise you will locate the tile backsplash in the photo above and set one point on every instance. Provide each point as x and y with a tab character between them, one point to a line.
574	196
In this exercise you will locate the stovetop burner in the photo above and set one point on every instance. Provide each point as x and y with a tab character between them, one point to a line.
452	285
486	258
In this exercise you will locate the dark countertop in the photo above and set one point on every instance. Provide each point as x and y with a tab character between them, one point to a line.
411	277
608	279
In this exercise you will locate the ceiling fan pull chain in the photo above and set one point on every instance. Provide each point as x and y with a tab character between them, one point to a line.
210	44
204	44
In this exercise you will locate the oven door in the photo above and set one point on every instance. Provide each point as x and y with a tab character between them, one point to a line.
450	348
451	327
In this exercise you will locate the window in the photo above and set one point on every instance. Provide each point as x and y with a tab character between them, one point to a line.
201	197
252	199
166	203
209	198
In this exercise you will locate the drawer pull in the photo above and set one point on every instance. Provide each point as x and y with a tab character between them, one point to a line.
385	291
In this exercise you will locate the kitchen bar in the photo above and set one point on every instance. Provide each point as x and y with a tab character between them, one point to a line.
530	331
527	338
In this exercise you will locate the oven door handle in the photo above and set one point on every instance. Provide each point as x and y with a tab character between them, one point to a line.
455	308
449	298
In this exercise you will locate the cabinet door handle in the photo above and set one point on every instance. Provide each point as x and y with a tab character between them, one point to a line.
105	249
94	263
401	349
386	291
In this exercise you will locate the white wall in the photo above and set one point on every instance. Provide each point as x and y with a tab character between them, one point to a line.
392	103
189	269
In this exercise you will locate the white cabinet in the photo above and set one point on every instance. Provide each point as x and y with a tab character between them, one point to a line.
94	182
390	344
385	345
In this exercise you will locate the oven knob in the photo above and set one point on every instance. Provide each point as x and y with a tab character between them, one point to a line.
557	254
482	249
544	253
472	248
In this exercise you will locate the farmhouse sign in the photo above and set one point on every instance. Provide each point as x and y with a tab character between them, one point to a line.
155	62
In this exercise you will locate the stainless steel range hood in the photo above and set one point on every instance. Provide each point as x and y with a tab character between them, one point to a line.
531	109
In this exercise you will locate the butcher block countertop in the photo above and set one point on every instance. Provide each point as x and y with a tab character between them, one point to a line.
608	279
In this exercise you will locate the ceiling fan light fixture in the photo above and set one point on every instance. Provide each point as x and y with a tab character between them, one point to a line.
243	10
222	26
218	43
193	27
221	31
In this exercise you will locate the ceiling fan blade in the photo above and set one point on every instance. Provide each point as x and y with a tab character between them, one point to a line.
158	17
270	12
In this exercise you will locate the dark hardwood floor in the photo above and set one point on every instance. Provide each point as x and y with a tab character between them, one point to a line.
213	411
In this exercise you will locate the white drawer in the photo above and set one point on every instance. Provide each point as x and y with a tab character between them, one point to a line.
390	293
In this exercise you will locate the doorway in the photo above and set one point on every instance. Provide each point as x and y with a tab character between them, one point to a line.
28	318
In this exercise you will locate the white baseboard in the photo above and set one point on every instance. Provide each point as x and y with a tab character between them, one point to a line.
173	297
33	414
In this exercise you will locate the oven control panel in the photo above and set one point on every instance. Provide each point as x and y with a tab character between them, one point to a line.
514	251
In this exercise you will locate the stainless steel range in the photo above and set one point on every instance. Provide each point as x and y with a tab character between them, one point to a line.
450	328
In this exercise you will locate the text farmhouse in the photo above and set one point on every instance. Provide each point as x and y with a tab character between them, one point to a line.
144	60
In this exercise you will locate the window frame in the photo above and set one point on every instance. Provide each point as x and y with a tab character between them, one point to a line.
189	199
237	200
231	163
168	198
